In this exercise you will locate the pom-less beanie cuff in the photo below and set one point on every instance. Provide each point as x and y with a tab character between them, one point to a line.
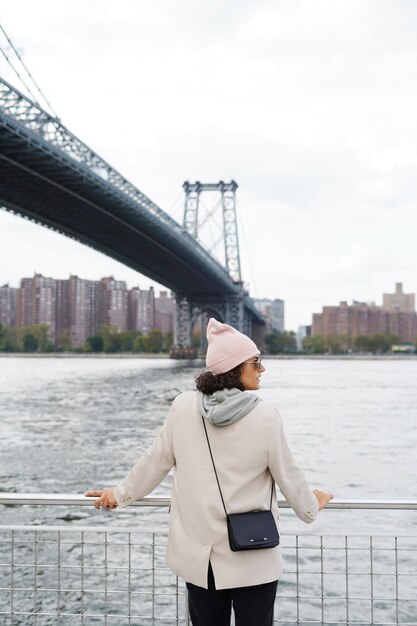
227	347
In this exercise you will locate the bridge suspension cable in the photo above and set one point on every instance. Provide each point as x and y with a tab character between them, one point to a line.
9	41
253	284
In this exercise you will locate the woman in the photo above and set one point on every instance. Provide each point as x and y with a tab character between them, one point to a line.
250	454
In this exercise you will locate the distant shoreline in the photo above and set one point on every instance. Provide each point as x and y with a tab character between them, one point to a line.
283	357
344	357
76	355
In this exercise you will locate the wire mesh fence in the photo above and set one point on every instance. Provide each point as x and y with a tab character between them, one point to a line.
341	579
95	575
53	575
84	575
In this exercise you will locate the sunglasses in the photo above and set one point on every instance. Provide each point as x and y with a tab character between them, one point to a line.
256	362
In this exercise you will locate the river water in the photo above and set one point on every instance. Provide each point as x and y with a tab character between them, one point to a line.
69	424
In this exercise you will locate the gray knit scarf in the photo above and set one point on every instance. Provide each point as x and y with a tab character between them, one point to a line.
226	406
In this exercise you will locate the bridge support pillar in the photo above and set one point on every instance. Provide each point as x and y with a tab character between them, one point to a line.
183	326
194	312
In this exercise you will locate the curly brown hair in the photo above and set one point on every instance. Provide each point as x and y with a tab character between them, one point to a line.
208	383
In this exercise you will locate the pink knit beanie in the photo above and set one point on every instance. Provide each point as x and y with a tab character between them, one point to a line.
227	347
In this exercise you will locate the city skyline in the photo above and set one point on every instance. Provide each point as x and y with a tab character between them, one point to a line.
63	303
75	309
273	310
316	126
16	284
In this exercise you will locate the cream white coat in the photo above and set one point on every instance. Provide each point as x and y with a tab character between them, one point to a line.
246	454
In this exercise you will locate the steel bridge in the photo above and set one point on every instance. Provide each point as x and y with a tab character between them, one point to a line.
48	175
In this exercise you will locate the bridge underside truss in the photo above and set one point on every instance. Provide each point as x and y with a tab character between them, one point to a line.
48	175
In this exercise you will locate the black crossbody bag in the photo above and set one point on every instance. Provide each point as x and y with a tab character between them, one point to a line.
248	531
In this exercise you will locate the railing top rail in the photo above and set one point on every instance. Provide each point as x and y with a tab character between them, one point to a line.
67	499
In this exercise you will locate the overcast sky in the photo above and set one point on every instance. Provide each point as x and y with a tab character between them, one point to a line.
310	105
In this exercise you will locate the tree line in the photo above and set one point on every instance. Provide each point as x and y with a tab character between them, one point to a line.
111	340
108	340
345	344
285	343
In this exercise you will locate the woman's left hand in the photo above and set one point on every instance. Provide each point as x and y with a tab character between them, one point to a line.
323	497
105	498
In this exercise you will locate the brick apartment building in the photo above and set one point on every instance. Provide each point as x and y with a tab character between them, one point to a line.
76	308
141	309
36	303
112	303
396	316
8	297
399	301
79	315
164	313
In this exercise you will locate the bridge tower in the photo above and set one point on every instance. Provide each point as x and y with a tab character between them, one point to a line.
229	309
228	206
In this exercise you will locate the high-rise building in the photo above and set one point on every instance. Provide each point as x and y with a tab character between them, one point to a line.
75	309
63	336
8	305
317	324
141	309
273	312
25	303
164	312
70	308
399	301
113	300
302	333
36	303
277	315
83	309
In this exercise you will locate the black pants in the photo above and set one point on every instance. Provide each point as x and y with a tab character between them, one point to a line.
253	606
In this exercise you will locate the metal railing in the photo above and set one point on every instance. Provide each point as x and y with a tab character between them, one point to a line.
71	575
69	499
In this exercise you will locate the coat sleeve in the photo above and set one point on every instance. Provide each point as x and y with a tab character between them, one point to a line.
289	477
150	469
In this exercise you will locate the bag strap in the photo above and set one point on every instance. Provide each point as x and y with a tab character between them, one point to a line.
215	471
212	460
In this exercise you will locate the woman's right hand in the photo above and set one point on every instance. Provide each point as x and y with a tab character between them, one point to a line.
323	497
105	498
